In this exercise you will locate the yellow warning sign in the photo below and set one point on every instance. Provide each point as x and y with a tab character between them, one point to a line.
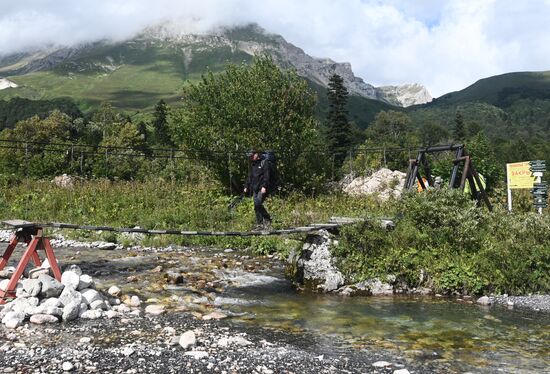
519	176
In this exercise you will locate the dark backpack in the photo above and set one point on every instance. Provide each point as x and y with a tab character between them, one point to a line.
269	159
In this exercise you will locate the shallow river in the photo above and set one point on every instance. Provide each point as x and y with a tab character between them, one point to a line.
450	335
469	337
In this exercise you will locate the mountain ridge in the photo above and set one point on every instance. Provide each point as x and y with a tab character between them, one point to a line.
238	43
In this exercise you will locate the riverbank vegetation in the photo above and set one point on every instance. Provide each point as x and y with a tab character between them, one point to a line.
441	240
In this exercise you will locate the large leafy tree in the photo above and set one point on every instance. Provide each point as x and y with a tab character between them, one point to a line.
339	131
247	107
390	128
30	138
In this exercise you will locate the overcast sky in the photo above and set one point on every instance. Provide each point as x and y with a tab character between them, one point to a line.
444	44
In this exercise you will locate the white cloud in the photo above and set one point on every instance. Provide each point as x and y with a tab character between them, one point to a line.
443	44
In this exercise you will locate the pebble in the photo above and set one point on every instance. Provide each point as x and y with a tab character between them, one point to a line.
214	315
484	300
127	351
67	366
154	309
85	340
135	301
85	281
381	364
187	340
197	354
401	371
40	319
114	291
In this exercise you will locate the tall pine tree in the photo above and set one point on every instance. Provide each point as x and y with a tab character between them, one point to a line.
339	130
459	133
160	125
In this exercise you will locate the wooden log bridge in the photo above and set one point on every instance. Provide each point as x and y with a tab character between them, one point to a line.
33	235
333	223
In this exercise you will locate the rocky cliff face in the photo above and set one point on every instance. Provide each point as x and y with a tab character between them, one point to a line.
255	41
250	40
406	95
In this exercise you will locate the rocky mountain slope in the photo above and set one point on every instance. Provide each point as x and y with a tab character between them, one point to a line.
185	56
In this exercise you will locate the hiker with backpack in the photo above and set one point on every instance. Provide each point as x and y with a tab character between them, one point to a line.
260	183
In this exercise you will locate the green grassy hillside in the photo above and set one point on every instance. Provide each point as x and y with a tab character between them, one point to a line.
501	90
132	76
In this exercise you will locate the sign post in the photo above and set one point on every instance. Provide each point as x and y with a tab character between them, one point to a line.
540	190
518	176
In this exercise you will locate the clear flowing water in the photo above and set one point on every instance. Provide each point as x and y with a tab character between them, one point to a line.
464	336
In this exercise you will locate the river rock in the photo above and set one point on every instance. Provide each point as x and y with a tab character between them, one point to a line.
74	268
23	305
381	364
401	371
67	366
37	272
314	266
85	281
70	279
122	308
114	291
173	276
135	301
375	287
21	293
7	272
71	311
98	304
112	314
91	314
69	295
32	286
40	319
90	295
187	339
51	287
13	320
105	246
214	315
197	354
155	309
127	351
484	300
233	340
52	301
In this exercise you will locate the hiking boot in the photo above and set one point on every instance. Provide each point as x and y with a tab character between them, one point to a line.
267	225
258	227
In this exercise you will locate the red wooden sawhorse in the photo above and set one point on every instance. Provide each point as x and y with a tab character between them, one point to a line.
33	235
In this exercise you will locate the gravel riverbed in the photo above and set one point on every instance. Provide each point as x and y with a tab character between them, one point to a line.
150	344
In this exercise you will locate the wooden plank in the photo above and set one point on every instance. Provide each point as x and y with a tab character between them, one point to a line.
61	225
19	223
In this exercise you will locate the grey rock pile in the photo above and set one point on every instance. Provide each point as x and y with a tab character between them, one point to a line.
44	299
59	241
384	184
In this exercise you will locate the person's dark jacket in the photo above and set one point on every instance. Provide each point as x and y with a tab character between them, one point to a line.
258	176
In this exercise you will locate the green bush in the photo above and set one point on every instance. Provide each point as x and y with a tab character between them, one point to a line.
444	241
